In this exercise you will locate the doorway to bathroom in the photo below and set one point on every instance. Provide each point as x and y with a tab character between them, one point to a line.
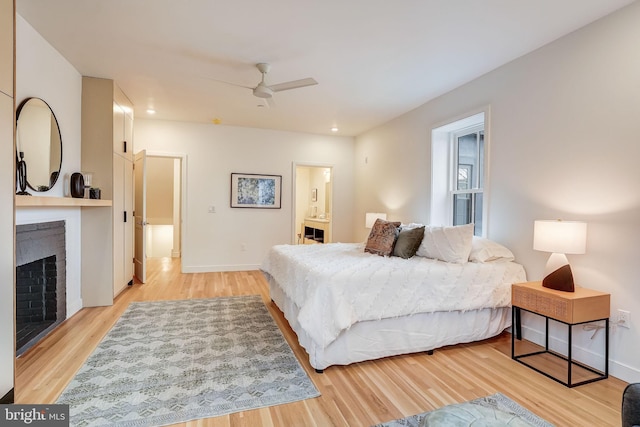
313	203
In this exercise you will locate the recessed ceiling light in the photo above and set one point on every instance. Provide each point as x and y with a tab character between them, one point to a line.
151	111
334	129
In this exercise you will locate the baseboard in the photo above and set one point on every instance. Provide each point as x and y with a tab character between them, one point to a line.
618	370
73	307
7	398
218	268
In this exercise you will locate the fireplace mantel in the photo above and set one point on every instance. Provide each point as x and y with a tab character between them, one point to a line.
42	201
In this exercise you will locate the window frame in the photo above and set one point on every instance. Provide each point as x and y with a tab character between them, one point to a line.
444	147
454	171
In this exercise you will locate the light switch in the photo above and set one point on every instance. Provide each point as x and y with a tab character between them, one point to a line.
212	209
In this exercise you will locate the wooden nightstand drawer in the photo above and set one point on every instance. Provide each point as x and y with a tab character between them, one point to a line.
580	306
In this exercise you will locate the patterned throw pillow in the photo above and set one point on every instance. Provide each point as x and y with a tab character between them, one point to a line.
382	237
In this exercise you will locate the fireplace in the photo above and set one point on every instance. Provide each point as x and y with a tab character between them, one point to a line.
40	281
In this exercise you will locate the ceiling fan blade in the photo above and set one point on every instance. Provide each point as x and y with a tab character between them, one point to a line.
269	102
228	83
293	84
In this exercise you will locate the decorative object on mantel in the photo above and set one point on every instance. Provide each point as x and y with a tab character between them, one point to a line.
77	185
250	190
94	193
88	182
21	170
560	238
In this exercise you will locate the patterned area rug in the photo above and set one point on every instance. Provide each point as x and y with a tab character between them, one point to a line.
173	361
495	410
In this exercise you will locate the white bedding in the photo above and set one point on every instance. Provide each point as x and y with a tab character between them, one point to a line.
337	285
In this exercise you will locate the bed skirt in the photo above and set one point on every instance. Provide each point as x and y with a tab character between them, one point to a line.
394	336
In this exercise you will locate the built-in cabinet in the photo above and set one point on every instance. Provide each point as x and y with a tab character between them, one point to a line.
123	231
316	230
107	145
8	185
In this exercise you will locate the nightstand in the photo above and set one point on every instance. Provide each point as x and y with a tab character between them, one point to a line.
569	308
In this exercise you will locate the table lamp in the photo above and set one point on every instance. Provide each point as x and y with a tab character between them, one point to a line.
560	238
371	217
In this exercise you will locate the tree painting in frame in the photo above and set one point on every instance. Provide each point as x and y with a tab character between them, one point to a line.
250	190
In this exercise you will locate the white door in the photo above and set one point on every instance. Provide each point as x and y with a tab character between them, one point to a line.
140	256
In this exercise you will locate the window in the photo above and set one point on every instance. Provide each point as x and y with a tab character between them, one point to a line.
468	181
458	173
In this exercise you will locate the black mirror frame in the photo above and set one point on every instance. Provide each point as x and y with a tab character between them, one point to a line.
20	162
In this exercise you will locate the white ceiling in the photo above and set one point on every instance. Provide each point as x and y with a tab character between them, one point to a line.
373	59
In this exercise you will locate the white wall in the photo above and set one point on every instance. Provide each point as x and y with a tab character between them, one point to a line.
43	73
214	241
564	144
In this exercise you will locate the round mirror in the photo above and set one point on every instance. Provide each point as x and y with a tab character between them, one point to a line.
38	144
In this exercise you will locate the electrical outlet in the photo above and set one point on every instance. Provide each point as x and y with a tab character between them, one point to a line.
243	247
624	319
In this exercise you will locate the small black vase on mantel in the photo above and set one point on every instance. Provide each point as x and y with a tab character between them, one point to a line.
77	185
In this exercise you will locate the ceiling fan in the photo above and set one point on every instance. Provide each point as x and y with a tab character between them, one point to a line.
262	90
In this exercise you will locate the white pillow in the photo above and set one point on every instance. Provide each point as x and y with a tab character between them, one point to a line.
450	244
485	250
410	226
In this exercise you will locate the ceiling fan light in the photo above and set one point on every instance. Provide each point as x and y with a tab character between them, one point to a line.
262	91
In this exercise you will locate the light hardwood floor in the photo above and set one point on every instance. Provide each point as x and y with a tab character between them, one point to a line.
362	394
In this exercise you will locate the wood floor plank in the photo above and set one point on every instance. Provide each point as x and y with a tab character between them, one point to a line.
362	394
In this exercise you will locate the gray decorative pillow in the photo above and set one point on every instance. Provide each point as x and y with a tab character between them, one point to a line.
382	237
408	242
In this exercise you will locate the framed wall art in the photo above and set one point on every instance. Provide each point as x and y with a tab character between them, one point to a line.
249	190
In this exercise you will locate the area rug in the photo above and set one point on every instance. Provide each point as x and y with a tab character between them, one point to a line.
167	362
494	410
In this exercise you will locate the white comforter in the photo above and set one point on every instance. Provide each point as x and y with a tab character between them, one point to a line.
336	285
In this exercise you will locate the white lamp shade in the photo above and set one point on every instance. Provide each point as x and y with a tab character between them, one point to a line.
371	217
565	237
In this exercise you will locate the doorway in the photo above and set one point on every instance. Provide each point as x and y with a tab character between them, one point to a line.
312	202
159	207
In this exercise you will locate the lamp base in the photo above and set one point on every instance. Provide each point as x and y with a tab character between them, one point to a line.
557	273
560	279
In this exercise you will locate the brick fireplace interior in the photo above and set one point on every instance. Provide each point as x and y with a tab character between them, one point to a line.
40	281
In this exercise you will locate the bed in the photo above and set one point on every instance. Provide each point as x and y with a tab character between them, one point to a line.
347	305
